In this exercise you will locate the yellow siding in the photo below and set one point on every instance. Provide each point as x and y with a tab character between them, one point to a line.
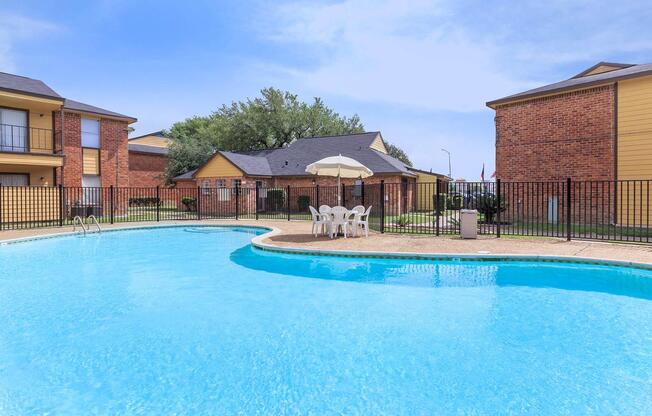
91	161
634	148
25	204
38	175
218	167
601	69
155	141
39	118
426	190
378	145
30	160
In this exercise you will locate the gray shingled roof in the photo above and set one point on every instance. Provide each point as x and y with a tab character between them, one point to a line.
17	83
292	160
141	148
187	175
585	81
253	165
87	108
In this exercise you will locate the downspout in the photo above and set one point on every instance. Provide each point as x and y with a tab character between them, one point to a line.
62	142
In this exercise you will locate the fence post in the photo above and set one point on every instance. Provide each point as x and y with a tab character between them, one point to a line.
61	202
287	201
568	209
198	203
343	201
111	204
1	198
237	202
382	206
437	210
158	203
317	201
498	200
256	202
362	191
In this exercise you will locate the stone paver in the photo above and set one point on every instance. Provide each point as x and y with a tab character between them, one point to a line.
296	234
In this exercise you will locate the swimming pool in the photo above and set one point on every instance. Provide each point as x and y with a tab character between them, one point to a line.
193	320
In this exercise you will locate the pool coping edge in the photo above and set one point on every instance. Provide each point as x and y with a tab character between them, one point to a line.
258	243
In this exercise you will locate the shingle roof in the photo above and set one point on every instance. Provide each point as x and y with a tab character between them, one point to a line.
292	160
17	83
141	148
156	134
87	108
575	83
251	164
187	175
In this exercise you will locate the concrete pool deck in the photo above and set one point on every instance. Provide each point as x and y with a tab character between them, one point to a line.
296	235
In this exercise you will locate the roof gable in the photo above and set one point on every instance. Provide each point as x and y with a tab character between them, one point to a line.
600	68
580	81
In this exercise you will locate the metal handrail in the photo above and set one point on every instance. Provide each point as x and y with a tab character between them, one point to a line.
94	220
79	220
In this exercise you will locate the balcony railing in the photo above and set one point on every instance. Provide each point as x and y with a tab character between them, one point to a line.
27	139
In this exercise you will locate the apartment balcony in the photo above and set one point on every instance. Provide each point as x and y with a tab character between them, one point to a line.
21	145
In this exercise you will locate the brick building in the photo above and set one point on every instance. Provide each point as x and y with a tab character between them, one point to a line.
148	160
594	127
280	168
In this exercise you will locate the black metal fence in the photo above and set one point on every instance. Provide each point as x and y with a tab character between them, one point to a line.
598	210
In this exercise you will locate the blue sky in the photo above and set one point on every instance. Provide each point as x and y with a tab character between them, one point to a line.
420	71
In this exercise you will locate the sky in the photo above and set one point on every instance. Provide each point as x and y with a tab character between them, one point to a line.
419	71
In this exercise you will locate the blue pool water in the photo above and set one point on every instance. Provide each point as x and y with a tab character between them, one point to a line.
196	321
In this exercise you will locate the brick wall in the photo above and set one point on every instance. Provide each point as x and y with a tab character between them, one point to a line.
114	153
114	157
146	170
72	169
552	138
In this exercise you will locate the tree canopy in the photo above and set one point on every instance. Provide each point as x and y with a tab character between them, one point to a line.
273	120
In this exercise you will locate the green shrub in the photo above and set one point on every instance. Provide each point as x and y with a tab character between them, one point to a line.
403	220
303	201
487	204
189	202
440	205
143	202
275	199
454	202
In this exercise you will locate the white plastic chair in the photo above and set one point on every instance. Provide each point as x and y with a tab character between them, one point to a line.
362	220
324	209
321	222
357	210
341	218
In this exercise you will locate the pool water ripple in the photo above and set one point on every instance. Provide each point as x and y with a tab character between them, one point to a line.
192	320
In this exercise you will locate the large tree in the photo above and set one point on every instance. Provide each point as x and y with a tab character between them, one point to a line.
275	119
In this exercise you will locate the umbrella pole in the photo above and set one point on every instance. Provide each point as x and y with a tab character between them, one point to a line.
339	191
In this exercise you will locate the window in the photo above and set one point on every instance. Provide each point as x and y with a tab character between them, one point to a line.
220	183
14	179
92	193
236	183
206	187
357	188
13	130
90	133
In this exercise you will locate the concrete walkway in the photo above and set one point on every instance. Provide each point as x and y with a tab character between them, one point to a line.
296	234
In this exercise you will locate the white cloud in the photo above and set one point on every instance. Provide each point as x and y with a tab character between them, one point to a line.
15	28
395	52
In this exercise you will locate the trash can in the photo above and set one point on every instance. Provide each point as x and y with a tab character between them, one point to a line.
469	223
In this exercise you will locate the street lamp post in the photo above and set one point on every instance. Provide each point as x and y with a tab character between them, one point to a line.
450	174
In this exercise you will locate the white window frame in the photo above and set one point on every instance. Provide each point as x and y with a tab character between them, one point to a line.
90	137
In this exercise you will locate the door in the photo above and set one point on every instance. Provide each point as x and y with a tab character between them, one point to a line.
14	179
13	130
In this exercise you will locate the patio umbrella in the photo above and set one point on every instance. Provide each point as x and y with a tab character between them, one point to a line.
340	167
